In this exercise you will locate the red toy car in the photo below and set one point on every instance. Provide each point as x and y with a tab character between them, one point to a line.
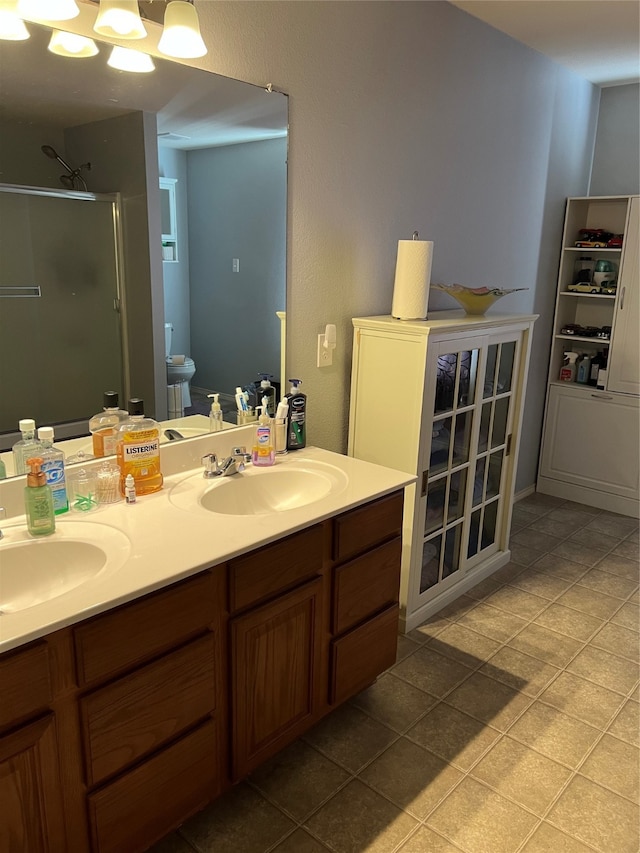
615	242
593	238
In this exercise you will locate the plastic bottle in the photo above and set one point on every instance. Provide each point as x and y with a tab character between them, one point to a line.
129	489
27	447
568	369
138	450
38	500
601	381
297	424
596	364
267	390
215	415
584	369
263	452
53	467
104	426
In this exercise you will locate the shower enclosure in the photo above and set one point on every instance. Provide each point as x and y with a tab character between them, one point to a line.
61	306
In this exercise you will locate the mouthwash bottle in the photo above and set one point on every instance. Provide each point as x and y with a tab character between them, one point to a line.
104	426
53	467
26	447
138	450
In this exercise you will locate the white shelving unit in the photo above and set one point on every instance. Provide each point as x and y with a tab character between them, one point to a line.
591	437
169	219
442	399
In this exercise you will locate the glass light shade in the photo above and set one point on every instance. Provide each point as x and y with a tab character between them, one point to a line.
119	19
125	59
49	10
12	27
72	45
181	34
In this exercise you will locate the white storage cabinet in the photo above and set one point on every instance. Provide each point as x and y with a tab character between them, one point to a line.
442	399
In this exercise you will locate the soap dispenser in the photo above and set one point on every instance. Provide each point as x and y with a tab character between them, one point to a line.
263	452
215	415
38	500
267	390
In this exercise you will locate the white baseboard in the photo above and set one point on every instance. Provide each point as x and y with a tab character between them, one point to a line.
590	497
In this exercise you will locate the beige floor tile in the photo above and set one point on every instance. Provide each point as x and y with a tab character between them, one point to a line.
523	516
405	647
458	608
541	584
358	820
628	616
546	645
536	501
583	554
558	529
634	536
432	672
610	671
594	539
522	554
614	525
522	774
299	779
481	821
464	645
507	573
413	778
223	827
626	725
300	842
426	840
582	699
609	584
583	508
350	737
589	602
489	700
573	517
536	540
171	844
624	567
554	734
492	622
597	816
394	702
431	628
548	839
618	640
517	601
567	621
559	567
629	550
615	764
520	671
484	588
456	737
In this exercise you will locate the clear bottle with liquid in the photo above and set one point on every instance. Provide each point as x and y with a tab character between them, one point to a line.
104	426
215	415
53	467
138	450
38	500
264	452
26	447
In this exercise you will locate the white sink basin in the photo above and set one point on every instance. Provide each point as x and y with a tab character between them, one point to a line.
259	491
36	570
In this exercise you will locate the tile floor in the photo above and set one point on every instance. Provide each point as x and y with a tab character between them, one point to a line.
509	723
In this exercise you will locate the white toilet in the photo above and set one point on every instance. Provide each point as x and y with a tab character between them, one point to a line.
181	372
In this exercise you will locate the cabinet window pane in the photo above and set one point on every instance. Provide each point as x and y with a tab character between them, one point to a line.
440	443
474	532
489	524
430	563
457	489
446	382
489	374
495	473
462	438
478	481
435	505
505	372
485	420
501	414
451	561
455	381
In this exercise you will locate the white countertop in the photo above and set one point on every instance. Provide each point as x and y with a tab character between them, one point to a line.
169	542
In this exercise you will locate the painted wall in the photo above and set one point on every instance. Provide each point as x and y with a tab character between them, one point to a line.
616	160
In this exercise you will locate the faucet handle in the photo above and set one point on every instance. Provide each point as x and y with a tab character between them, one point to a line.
241	456
210	462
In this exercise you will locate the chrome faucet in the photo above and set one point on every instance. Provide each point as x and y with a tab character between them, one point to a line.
233	464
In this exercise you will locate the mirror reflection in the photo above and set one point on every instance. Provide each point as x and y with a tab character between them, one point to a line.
169	270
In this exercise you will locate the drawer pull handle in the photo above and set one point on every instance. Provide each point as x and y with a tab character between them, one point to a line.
602	397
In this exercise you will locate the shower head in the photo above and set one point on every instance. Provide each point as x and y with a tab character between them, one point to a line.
68	181
49	151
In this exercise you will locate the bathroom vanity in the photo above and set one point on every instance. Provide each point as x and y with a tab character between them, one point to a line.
134	700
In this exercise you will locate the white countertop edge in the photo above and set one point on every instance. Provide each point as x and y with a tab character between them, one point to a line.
169	544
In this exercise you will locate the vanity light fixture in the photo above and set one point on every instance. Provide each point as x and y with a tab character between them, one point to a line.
12	27
72	45
49	10
125	59
181	35
119	19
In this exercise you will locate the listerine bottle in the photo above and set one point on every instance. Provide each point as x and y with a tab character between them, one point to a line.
297	423
53	467
138	450
26	447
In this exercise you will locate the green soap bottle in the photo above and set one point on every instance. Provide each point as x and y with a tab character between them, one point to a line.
38	500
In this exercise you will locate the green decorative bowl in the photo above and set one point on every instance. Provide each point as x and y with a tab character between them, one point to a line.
475	300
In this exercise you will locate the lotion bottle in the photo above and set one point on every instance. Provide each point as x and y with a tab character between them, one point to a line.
296	427
267	390
263	452
38	500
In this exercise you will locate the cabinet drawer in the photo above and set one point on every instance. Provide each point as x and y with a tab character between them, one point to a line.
365	585
362	654
275	568
25	683
139	713
135	632
139	808
366	526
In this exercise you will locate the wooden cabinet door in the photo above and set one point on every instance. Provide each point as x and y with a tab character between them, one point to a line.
30	802
275	657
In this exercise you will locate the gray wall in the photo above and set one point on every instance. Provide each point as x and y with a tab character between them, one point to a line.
616	160
237	209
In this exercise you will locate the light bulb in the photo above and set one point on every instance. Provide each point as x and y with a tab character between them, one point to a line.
125	59
72	45
12	27
181	34
119	19
49	10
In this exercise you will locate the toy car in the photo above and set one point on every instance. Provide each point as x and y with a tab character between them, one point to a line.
593	238
615	242
571	329
583	287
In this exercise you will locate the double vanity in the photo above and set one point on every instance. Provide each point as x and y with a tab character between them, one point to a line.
154	654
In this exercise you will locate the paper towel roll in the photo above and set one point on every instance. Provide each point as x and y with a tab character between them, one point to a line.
413	276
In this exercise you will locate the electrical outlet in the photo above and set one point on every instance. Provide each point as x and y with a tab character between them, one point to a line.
325	355
235	265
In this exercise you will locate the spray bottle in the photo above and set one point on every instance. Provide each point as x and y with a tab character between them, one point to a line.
568	369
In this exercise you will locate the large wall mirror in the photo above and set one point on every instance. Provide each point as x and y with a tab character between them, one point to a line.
179	239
